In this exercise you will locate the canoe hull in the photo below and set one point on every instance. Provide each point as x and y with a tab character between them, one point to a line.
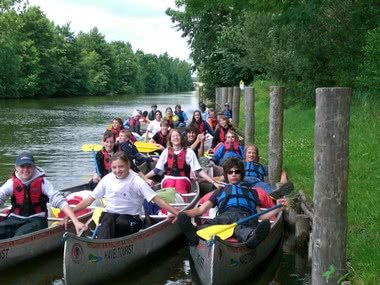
18	249
221	262
87	261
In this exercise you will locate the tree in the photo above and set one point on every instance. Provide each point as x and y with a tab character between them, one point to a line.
127	71
96	61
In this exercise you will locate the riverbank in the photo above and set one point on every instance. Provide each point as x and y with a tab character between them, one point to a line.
363	256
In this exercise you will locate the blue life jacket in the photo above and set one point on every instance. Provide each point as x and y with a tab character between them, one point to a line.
237	196
254	169
181	117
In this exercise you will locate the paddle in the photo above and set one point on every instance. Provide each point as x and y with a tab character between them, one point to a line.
93	148
225	231
95	217
146	146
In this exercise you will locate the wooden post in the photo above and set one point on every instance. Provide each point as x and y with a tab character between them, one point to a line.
202	99
230	94
224	96
330	183
218	98
276	118
235	107
302	231
249	129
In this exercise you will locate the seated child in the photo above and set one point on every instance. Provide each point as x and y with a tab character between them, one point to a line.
255	172
234	202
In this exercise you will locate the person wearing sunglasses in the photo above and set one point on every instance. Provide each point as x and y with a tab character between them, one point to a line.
234	201
227	149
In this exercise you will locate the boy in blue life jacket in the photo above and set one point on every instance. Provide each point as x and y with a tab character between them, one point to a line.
234	202
229	148
227	111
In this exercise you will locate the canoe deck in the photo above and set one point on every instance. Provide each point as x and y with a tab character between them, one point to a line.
227	262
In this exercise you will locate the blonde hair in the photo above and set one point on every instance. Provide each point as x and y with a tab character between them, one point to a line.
248	146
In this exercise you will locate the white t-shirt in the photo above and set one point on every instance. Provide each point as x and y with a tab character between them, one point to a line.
191	160
154	127
124	196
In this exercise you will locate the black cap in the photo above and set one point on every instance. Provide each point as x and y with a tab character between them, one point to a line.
25	157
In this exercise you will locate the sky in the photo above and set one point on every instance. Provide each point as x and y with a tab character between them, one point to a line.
143	23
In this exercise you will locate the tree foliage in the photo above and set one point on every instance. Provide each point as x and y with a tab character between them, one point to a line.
299	44
38	58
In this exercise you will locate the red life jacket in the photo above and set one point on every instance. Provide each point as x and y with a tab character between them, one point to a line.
28	200
106	160
212	123
132	122
222	134
200	126
176	163
115	132
234	147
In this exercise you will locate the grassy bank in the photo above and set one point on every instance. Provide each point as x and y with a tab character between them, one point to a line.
363	256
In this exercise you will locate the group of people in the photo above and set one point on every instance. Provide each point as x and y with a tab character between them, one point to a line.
181	143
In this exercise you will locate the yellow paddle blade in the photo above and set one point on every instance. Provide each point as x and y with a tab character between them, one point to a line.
91	147
104	201
146	146
55	212
222	231
96	215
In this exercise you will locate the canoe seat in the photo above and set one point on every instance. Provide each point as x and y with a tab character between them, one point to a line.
72	199
232	240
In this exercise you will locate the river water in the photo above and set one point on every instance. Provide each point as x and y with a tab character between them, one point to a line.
54	130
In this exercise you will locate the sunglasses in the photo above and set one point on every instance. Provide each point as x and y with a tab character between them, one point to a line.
230	172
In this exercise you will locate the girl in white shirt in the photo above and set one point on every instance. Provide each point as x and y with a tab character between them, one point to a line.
177	161
125	192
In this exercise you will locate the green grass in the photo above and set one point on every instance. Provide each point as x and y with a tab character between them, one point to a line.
363	254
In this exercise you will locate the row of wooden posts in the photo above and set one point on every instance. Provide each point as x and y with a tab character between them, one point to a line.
331	159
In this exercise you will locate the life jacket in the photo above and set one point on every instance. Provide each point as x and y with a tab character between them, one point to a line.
28	200
200	126
162	140
231	147
106	160
115	132
222	134
176	163
181	118
134	125
151	115
227	114
253	169
132	122
236	196
212	122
